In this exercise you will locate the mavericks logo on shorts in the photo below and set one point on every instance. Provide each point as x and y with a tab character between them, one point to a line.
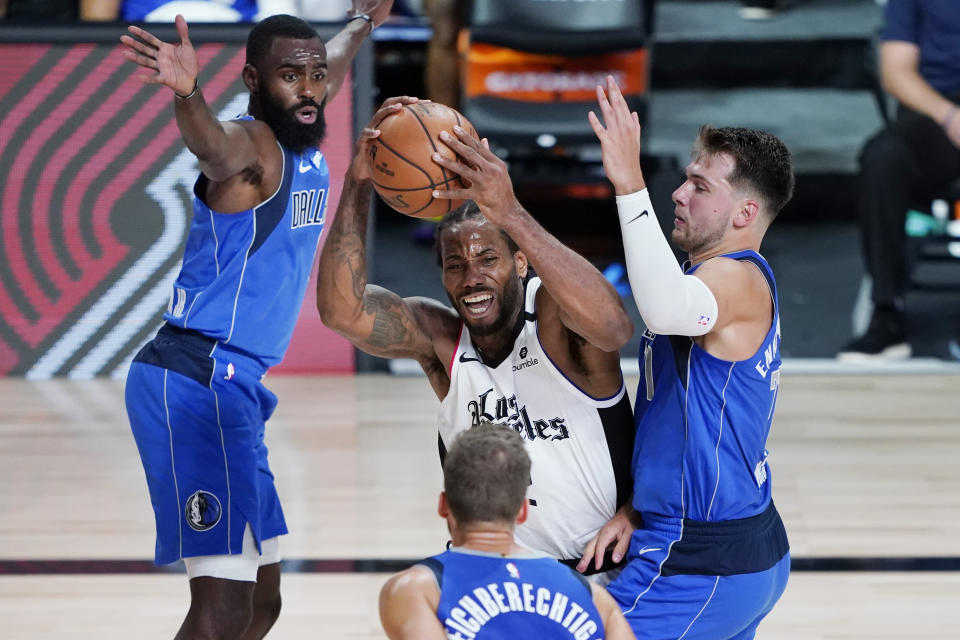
202	511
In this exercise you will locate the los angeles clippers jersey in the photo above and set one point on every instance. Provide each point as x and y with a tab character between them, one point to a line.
576	474
486	596
193	10
244	274
702	424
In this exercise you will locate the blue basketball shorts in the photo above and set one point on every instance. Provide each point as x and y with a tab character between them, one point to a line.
721	583
198	415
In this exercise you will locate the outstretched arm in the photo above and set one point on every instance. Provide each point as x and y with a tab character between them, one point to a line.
223	149
344	46
588	305
669	301
374	319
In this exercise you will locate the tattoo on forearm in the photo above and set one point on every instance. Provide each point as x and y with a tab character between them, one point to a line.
388	326
346	241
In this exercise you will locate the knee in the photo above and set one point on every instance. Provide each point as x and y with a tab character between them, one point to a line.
267	610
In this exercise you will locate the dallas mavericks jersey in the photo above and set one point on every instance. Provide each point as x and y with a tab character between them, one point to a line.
193	10
244	274
702	424
486	596
574	485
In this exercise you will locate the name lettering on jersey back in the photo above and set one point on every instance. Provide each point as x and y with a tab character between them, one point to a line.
308	208
771	353
475	610
507	411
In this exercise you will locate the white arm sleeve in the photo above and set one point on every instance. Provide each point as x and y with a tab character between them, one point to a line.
670	302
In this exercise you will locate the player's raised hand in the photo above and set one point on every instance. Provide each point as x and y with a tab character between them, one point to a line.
175	65
484	175
360	167
378	10
619	136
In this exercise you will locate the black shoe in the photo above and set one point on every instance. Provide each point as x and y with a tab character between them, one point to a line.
759	9
885	339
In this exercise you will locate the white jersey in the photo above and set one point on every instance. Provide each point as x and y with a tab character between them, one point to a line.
574	486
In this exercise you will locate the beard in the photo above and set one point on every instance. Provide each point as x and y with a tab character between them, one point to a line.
703	240
290	132
510	301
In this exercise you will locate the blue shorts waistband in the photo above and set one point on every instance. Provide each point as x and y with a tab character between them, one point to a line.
727	547
698	529
192	354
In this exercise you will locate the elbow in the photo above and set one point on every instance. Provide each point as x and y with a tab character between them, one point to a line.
614	334
620	332
333	317
658	321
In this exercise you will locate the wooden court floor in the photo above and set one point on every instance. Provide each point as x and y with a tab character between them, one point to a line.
866	472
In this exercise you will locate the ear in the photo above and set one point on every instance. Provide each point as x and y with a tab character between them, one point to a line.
522	514
747	214
443	509
250	77
520	259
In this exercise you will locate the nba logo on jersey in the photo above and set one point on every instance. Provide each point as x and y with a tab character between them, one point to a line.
202	511
513	571
703	321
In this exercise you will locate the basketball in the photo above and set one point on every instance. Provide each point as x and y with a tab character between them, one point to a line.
403	173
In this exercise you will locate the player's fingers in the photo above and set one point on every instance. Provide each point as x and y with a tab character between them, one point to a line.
143	61
146	36
453	194
584	563
467	151
605	538
401	100
138	46
383	113
595	124
182	30
451	164
623	544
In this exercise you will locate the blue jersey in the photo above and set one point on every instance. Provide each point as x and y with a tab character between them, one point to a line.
488	596
702	424
244	274
219	10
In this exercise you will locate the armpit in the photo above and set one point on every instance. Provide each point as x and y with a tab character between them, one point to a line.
253	174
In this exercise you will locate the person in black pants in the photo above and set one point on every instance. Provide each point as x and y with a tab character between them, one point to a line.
909	160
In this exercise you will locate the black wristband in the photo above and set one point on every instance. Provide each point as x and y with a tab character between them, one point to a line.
363	16
196	87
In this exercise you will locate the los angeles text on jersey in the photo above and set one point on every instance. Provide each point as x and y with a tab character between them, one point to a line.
505	410
308	208
466	620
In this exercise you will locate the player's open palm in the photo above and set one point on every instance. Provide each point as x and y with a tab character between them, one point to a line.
619	136
176	65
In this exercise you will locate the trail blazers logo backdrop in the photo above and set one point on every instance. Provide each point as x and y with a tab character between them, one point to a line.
95	203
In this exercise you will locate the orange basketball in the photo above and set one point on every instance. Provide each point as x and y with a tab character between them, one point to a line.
403	173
